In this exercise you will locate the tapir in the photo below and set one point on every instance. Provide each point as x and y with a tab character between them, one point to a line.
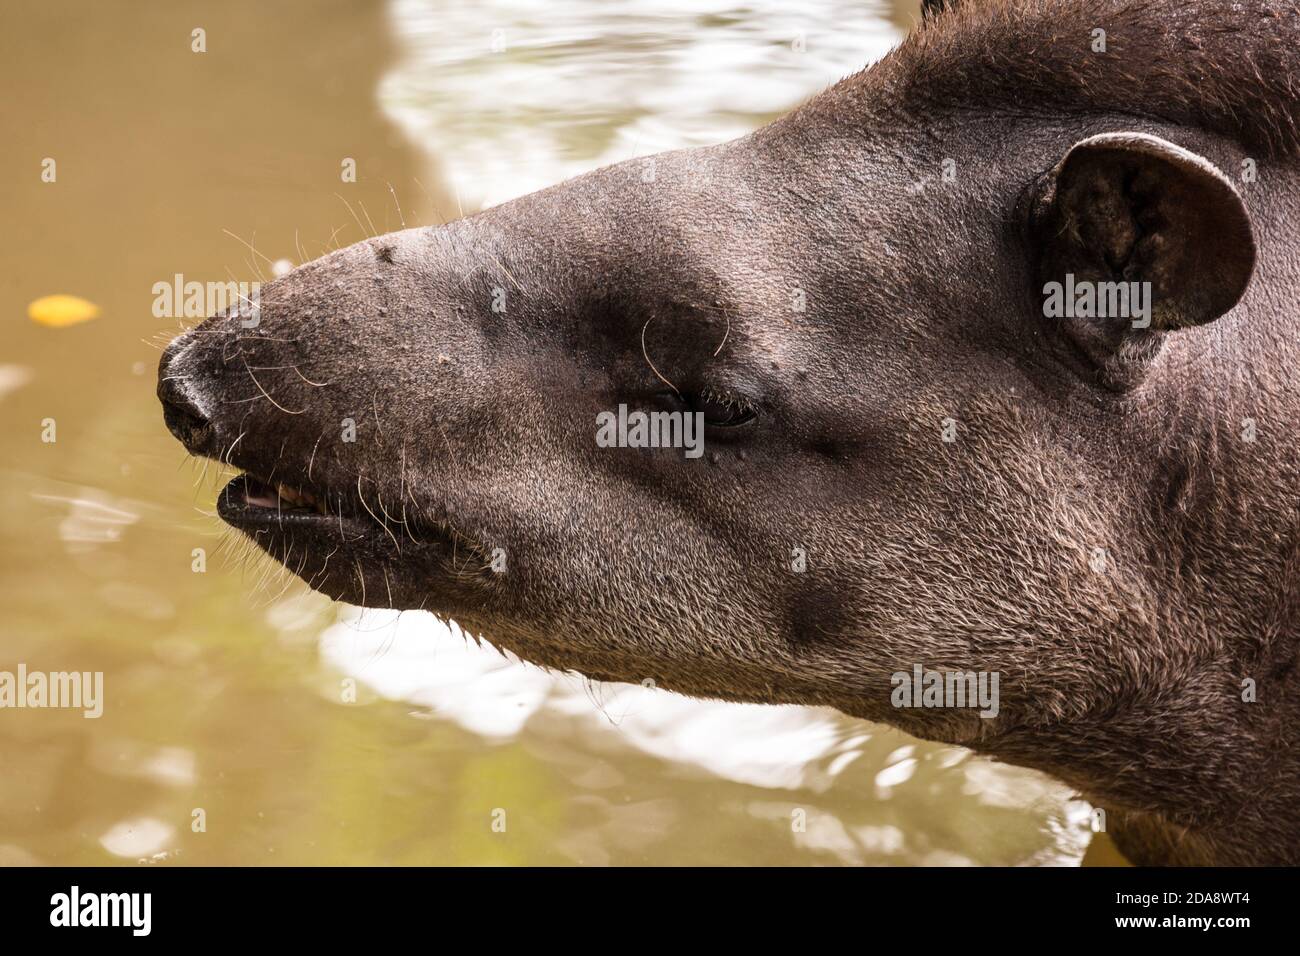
991	349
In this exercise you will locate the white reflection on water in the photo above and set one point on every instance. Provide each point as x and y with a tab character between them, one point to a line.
900	800
797	751
142	836
511	95
123	757
12	378
901	766
413	657
93	518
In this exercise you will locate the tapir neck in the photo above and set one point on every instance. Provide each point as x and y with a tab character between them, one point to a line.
1208	774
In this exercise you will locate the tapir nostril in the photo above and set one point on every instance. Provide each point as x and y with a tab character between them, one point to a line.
184	418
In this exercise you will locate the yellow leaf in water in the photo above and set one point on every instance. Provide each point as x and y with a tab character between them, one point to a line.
57	311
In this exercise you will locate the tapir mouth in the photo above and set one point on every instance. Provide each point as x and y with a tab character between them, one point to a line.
262	508
248	501
340	542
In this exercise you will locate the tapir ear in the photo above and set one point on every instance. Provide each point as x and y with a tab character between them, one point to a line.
1134	208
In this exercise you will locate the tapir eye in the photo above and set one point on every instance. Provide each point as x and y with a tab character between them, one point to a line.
721	411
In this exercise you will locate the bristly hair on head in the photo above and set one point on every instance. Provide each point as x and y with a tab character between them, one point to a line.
1231	68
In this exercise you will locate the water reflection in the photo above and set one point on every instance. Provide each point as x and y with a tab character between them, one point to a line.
511	95
91	519
834	786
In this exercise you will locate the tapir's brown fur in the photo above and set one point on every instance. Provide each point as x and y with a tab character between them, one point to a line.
1112	527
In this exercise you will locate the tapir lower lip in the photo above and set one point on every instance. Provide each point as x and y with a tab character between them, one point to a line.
333	524
235	508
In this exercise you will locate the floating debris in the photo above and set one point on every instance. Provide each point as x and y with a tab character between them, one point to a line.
56	311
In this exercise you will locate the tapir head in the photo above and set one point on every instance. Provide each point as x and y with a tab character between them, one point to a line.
776	419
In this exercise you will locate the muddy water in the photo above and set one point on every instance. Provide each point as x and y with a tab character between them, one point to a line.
246	720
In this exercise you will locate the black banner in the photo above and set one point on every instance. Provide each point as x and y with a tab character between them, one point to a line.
931	907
